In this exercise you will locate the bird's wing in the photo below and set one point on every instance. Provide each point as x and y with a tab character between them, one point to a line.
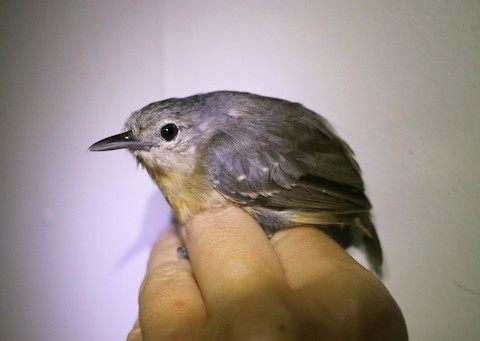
297	163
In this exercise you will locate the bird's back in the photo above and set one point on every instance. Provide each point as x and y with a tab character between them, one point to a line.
287	167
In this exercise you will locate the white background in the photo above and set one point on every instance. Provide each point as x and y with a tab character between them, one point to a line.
399	80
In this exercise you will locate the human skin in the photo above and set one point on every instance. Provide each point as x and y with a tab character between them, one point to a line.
240	285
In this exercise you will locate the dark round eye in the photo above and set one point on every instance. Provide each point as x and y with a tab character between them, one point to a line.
169	131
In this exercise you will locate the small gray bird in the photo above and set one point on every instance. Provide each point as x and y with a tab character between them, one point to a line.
279	161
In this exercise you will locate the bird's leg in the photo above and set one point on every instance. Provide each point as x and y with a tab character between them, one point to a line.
180	228
182	252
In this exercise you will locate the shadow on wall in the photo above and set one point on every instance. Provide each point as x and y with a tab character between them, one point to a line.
156	222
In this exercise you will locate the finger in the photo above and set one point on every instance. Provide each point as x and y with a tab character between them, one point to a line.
329	284
136	333
326	274
307	254
231	257
171	304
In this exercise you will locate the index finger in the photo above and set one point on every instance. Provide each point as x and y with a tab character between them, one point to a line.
231	257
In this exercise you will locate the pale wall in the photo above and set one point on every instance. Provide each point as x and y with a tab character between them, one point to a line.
399	80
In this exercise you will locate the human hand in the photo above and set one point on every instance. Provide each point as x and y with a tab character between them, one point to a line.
240	285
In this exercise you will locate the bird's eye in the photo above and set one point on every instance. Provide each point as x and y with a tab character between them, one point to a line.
169	131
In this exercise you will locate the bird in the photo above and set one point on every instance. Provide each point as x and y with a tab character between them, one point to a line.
280	162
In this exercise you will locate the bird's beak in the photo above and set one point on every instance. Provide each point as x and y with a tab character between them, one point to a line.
120	141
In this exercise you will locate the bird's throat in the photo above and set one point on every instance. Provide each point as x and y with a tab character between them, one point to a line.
187	194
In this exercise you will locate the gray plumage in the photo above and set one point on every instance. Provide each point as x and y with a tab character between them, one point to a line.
281	162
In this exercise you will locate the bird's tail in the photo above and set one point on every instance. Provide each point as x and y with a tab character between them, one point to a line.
370	239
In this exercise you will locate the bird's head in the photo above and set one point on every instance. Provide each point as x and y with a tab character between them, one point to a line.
163	136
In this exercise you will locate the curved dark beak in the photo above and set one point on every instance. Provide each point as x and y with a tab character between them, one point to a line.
120	141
